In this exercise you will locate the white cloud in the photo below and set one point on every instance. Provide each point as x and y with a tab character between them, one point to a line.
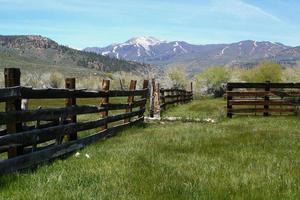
242	9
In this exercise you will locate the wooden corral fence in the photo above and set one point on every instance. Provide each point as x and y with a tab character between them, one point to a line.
160	97
53	132
262	98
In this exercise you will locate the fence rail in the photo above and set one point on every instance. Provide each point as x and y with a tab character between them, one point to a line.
56	130
262	98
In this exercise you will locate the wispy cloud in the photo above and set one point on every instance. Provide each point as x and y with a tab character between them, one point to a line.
242	9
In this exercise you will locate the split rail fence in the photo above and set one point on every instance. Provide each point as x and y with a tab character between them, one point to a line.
160	98
262	98
53	132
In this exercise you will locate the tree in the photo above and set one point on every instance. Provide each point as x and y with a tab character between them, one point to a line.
212	80
264	71
178	77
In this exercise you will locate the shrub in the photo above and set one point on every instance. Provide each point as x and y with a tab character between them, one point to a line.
265	71
32	80
178	77
55	80
90	82
212	80
291	74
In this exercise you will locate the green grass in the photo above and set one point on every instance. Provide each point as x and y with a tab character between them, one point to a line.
239	158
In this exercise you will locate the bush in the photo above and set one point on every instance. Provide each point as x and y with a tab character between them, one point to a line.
265	71
178	77
53	80
89	82
32	80
291	74
212	80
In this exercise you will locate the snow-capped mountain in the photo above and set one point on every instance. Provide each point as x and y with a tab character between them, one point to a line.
143	49
194	57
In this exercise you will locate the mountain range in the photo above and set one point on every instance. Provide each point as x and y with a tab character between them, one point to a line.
197	57
37	53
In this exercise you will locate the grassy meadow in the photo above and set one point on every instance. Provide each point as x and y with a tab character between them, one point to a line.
239	158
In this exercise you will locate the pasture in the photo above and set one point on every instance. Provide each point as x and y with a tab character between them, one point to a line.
240	158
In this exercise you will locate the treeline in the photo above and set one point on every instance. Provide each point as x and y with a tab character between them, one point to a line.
212	81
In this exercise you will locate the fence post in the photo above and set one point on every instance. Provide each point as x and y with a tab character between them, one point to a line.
105	101
12	78
163	99
152	89
130	99
156	113
192	95
267	98
70	83
145	86
229	98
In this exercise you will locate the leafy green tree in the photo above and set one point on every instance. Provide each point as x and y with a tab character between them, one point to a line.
264	71
178	77
212	79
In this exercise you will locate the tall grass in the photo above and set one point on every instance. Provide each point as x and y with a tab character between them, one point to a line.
239	158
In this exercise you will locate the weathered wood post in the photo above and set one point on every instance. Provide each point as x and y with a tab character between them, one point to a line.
12	78
177	96
156	113
152	89
267	99
145	86
70	83
192	94
130	99
229	98
163	99
105	101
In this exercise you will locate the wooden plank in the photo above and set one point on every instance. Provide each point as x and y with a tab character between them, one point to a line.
172	90
248	94
172	96
10	93
261	102
262	85
261	110
130	99
47	114
55	151
35	136
54	113
53	93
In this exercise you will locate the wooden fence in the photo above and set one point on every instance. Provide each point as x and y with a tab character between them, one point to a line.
262	98
173	96
53	132
160	97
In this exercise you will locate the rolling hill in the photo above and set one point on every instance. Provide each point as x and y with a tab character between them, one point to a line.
37	53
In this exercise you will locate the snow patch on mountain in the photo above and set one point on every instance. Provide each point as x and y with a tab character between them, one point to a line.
116	53
105	53
179	46
223	50
145	42
253	48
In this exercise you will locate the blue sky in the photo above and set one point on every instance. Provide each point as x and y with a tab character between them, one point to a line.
82	23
